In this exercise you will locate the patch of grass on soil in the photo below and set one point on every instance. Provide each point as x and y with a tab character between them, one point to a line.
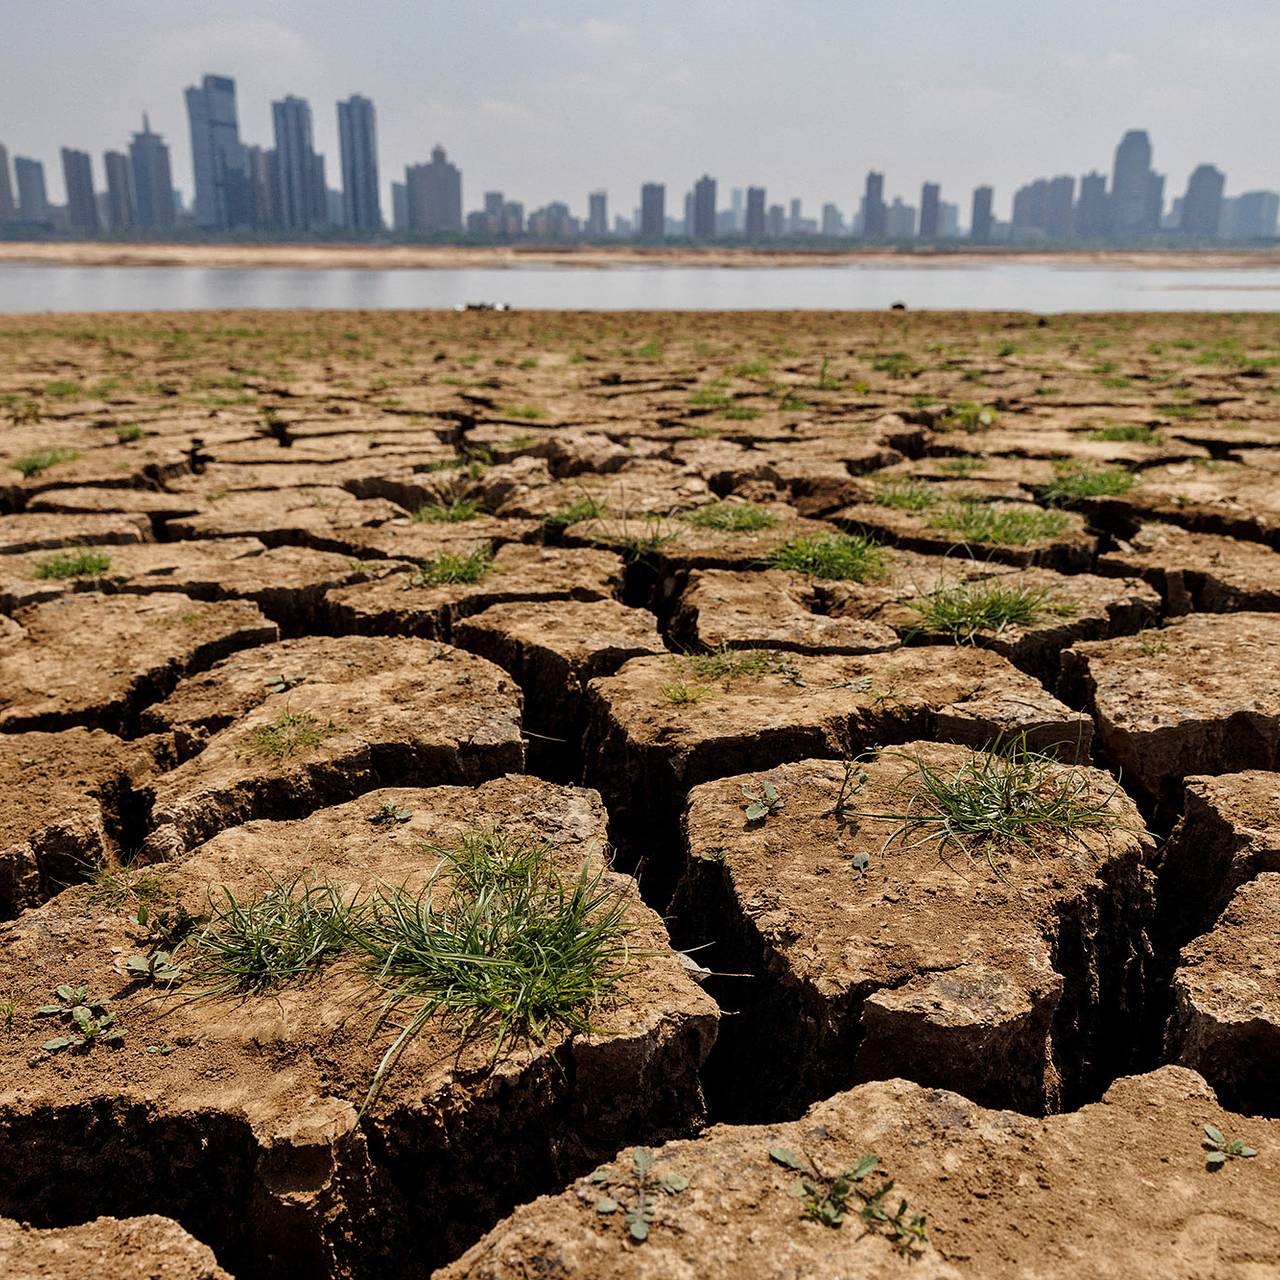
835	556
459	509
1073	482
731	517
294	731
964	611
32	464
1000	526
73	564
450	567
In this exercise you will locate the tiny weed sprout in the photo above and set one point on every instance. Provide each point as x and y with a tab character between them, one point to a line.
762	803
32	464
678	692
458	510
728	664
283	683
635	1192
90	1021
388	814
73	564
833	556
1220	1148
295	731
905	495
966	611
731	517
1000	526
159	966
1073	482
637	548
451	568
1003	802
497	942
585	508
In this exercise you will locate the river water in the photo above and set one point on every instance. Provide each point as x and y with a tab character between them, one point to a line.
1036	287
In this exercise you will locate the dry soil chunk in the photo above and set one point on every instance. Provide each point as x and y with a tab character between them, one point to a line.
97	659
246	1127
995	1188
1201	571
286	728
402	605
148	1248
1198	696
38	531
879	951
1226	993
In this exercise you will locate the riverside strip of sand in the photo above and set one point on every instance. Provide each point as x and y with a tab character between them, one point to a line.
424	257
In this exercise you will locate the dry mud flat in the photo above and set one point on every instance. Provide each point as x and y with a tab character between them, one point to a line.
575	778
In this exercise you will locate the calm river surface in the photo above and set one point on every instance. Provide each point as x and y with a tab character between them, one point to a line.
1013	287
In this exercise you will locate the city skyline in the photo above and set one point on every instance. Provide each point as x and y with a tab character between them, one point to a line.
581	96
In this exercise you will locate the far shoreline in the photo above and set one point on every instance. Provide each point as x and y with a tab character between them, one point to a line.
409	257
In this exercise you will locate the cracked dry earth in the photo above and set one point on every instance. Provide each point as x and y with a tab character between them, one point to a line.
770	629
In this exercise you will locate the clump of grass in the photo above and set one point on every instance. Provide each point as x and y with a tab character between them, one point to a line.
835	556
1073	482
529	412
451	567
680	693
1000	526
905	495
741	413
961	466
792	403
639	547
729	664
294	731
286	934
457	510
1132	433
971	417
1006	802
732	517
750	369
964	611
73	564
897	364
584	508
32	464
126	434
498	943
709	397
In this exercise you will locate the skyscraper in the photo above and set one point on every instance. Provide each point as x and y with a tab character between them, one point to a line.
704	208
33	200
152	179
755	225
6	189
223	197
980	220
120	202
399	207
653	212
1253	216
435	194
259	175
358	143
598	214
1202	205
930	199
82	205
298	197
1090	220
1058	212
832	223
1131	182
875	214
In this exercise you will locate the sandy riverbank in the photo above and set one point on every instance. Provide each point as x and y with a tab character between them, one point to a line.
402	256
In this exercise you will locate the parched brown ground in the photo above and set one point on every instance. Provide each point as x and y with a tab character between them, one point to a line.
598	579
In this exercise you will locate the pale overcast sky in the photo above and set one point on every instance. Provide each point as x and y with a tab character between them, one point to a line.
553	98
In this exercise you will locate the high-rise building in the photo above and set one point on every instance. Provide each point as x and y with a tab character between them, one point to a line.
754	226
1090	220
653	212
399	206
598	214
704	208
775	222
901	220
948	220
980	221
33	199
6	188
217	157
1131	184
152	179
930	200
832	223
1202	205
120	202
259	168
737	210
1059	207
82	205
513	218
1253	216
358	149
298	193
1155	202
434	194
875	213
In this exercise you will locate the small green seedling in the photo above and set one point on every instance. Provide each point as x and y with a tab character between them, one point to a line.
388	814
636	1192
72	564
159	966
762	804
93	1023
1221	1149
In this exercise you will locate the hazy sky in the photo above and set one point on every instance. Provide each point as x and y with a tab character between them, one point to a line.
552	98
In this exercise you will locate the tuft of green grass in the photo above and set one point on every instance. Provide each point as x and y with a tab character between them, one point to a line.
750	369
1006	802
584	508
1074	482
835	556
450	567
709	397
294	731
73	564
680	693
1000	526
905	495
459	509
741	413
727	664
125	434
32	464
497	943
971	417
963	465
964	611
1132	433
897	364
731	517
527	411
